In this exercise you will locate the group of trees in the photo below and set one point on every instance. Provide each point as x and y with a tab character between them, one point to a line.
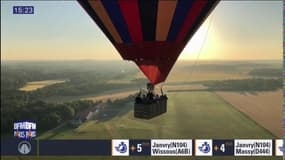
254	84
46	115
18	105
266	72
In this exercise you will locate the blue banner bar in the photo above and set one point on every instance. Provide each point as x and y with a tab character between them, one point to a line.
17	147
143	147
75	147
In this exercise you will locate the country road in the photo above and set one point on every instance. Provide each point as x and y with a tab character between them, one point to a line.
124	94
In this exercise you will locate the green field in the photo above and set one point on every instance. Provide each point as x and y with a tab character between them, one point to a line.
190	115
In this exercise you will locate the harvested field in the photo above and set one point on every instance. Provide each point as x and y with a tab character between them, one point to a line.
32	86
265	108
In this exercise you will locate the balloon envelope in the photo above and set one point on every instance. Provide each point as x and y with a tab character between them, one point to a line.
152	33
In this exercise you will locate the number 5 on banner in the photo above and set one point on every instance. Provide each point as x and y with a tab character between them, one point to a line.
139	147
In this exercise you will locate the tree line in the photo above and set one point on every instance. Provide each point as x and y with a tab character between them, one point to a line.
46	115
254	84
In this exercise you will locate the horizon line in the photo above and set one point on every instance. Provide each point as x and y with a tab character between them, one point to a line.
70	60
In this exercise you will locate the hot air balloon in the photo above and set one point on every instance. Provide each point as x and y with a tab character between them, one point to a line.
151	33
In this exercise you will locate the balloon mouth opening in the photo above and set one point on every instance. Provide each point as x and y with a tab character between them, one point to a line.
153	73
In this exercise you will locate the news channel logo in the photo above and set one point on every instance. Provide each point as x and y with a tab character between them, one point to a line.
25	129
120	147
203	147
24	147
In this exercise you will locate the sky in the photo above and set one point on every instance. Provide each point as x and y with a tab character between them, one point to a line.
62	30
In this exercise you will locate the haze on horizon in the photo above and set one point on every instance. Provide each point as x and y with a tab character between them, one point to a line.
61	30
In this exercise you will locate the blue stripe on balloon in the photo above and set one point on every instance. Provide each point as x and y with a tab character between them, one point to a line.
113	9
95	17
200	19
181	11
148	11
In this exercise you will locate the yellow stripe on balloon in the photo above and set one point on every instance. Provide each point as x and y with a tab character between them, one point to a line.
103	15
165	13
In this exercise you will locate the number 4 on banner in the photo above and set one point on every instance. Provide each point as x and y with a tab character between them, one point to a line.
222	148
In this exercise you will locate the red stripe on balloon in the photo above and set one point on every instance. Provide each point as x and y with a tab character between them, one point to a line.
193	14
130	12
155	59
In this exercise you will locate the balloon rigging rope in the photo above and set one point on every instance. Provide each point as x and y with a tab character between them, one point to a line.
203	45
200	49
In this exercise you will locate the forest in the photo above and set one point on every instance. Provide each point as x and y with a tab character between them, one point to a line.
83	78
